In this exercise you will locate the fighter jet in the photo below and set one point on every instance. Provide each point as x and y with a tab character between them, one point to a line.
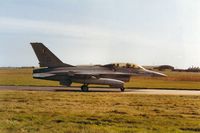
114	75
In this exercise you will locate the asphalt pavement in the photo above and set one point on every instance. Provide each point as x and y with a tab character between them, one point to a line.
111	90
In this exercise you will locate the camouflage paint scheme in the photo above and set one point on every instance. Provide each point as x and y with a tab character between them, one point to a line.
114	75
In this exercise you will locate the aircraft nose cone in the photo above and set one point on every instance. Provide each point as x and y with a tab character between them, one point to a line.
155	74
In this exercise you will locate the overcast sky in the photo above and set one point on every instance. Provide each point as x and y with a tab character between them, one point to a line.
146	32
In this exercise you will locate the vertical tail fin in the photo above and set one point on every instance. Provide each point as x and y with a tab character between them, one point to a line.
46	57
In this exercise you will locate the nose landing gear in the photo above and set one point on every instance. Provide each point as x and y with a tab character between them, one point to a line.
122	89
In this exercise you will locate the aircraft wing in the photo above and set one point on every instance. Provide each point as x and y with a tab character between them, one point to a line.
88	74
72	73
99	74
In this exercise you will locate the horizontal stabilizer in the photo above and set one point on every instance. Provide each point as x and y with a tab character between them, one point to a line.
42	75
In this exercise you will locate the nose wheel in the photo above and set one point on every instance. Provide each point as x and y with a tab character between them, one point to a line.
84	88
122	89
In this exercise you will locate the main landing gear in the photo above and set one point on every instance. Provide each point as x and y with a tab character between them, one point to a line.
84	88
122	89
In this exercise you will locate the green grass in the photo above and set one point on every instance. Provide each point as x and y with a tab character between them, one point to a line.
75	112
175	80
22	77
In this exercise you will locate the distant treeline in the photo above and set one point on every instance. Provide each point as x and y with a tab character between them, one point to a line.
193	69
168	67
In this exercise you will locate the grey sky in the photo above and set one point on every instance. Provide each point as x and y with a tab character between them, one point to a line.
147	32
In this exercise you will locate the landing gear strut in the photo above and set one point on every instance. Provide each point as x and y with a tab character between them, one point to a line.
84	88
122	89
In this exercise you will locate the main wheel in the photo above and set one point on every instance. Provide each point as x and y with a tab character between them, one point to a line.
84	88
122	89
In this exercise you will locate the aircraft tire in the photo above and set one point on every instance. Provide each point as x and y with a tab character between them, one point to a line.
122	89
84	88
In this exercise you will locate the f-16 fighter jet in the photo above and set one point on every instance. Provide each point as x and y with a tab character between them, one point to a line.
114	75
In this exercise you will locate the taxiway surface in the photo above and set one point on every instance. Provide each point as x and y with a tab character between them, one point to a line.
127	91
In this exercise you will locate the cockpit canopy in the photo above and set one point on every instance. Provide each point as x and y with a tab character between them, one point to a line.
126	65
